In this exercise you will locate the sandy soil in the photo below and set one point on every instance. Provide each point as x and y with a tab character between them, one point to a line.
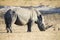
20	33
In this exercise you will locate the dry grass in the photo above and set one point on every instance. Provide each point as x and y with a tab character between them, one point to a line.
51	3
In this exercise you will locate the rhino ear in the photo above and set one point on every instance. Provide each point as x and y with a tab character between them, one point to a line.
40	17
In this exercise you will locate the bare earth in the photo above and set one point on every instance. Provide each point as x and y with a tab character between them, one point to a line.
20	32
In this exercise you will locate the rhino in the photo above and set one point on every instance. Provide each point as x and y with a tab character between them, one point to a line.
24	16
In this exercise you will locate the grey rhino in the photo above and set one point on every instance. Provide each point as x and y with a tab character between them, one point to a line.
23	16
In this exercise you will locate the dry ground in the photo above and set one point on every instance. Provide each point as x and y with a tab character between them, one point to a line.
51	3
20	32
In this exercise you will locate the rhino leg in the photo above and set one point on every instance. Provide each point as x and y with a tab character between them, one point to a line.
8	28
8	22
29	24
